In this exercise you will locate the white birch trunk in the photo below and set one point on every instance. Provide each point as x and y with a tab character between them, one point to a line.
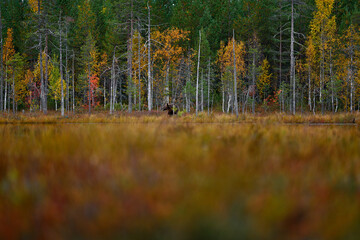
235	78
150	100
1	66
208	100
67	73
13	90
292	60
42	89
202	91
130	57
197	76
73	82
309	86
223	99
112	84
61	69
167	84
229	104
105	93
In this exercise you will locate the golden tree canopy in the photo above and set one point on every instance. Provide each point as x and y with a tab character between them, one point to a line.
9	50
226	57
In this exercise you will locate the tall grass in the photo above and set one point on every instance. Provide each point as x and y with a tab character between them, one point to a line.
156	117
179	180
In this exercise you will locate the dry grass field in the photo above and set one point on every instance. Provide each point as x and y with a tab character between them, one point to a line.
154	177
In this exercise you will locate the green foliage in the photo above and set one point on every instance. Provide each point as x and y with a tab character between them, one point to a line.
55	80
85	24
117	106
190	89
105	25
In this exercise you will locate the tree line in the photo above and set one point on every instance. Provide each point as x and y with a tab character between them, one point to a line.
201	55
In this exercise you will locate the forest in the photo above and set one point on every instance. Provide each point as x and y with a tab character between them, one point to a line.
134	55
260	139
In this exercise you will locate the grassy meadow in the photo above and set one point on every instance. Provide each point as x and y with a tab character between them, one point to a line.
149	176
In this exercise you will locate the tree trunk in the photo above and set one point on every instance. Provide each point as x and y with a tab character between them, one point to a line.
115	87
30	93
167	84
1	66
229	104
314	99
139	58
309	86
336	103
197	76
280	58
46	77
322	67
42	87
135	91
235	78
351	76
202	91
5	105
104	93
67	72
73	82
253	81
223	92
208	98
46	51
61	69
13	90
112	84
332	82
130	57
150	100
292	60
188	82
89	83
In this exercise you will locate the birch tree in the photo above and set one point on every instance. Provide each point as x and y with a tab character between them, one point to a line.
61	67
235	78
1	65
168	56
321	29
197	75
149	90
310	63
209	87
231	60
7	56
292	60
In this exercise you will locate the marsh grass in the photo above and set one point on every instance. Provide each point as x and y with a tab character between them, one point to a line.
157	117
176	179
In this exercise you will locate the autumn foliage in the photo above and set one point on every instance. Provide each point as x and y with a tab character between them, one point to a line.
183	180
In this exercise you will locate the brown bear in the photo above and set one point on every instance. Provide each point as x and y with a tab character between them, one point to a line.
170	108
